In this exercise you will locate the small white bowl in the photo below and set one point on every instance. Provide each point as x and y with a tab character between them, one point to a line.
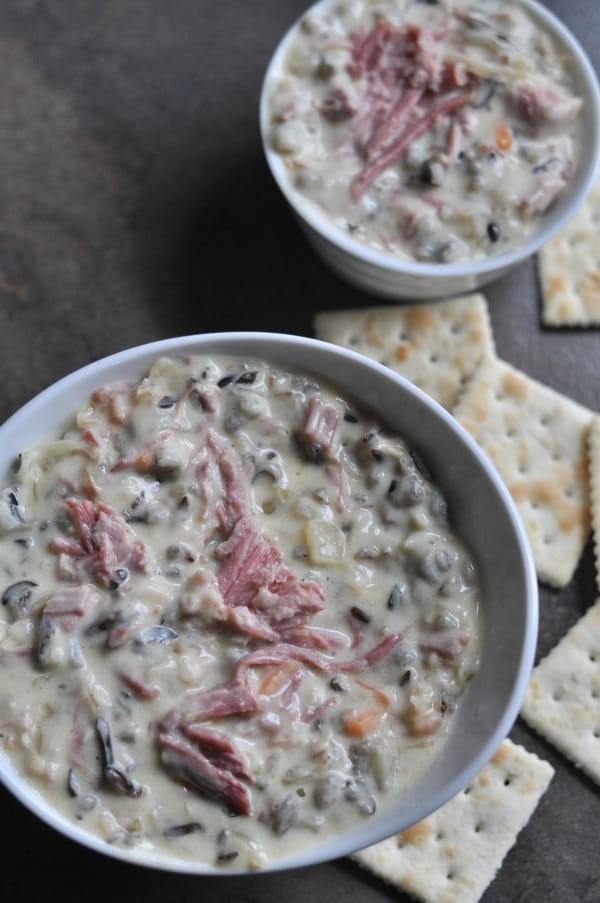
481	510
387	277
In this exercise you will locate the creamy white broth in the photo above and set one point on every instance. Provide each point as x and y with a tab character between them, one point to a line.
228	591
359	79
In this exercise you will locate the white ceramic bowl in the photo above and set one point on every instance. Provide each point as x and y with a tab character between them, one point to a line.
387	277
481	510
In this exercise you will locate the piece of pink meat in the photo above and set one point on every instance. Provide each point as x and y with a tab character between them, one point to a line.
395	150
191	767
104	543
313	637
285	652
542	108
220	476
320	425
232	698
253	575
68	604
219	749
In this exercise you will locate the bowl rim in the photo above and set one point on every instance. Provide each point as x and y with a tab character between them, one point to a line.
549	225
76	386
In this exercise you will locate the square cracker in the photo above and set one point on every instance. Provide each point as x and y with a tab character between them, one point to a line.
562	701
569	269
537	440
436	346
452	855
594	447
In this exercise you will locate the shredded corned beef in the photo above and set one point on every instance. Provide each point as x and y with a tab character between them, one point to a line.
105	543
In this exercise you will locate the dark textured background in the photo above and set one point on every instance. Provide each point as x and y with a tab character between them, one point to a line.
135	205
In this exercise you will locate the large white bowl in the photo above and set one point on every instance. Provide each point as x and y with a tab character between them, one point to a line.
483	514
389	277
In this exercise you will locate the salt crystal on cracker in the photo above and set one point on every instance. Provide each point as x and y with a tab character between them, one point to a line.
569	269
436	346
594	448
452	855
562	701
537	440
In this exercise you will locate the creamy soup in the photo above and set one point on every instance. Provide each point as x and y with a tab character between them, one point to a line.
433	131
227	591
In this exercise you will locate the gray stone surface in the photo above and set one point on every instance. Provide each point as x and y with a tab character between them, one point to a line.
134	205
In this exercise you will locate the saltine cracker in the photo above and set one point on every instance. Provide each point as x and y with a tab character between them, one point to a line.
453	855
537	439
436	346
562	701
569	269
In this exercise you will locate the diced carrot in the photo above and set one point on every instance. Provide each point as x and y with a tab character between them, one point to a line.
276	679
383	698
503	137
359	724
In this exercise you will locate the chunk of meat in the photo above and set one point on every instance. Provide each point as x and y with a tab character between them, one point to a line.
284	652
234	504
542	108
254	575
447	645
66	605
141	688
249	562
70	601
232	698
394	150
396	118
219	749
313	637
319	428
117	401
251	624
222	485
409	55
105	543
193	769
543	195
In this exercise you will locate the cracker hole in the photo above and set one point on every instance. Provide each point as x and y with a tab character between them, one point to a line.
478	828
507	782
403	337
455	328
595	694
440	835
597	733
593	656
511	432
499	396
466	791
557	696
450	876
353	340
